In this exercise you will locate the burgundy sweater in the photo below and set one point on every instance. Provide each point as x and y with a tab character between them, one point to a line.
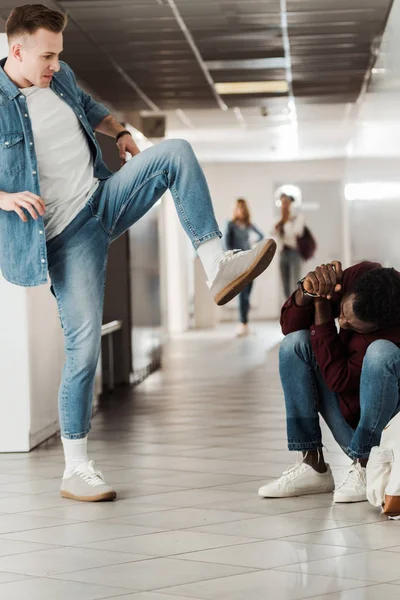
339	355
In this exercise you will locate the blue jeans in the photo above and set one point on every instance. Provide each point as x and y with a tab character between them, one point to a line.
78	258
307	396
290	267
244	304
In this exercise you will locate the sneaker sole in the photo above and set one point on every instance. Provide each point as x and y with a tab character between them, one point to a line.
260	264
350	500
297	494
106	497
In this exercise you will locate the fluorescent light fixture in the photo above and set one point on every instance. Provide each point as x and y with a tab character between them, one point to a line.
252	63
252	87
378	71
373	190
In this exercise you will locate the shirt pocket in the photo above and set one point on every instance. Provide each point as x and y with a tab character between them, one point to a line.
12	152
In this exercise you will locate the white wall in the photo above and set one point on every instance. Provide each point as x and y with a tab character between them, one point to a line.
256	182
31	359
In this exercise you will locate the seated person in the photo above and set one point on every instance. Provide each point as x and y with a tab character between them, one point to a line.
350	378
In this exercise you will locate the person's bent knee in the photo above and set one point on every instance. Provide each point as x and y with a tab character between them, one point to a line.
178	146
295	342
380	353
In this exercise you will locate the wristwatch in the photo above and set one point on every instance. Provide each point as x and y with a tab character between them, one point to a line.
300	286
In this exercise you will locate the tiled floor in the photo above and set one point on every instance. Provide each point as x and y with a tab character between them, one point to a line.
187	451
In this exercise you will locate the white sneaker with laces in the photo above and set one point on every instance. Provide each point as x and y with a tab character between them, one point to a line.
299	480
354	486
238	268
87	485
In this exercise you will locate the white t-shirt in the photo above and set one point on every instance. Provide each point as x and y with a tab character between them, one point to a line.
291	230
65	162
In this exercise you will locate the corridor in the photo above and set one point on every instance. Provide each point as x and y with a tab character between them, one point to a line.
187	451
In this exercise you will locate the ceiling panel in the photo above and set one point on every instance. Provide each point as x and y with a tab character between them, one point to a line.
136	55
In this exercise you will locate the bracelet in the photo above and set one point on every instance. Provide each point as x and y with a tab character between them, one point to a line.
121	133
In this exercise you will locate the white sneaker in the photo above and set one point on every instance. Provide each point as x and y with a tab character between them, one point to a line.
354	486
243	331
238	268
299	480
87	485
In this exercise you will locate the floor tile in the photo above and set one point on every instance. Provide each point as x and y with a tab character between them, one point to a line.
360	513
51	589
44	563
7	577
271	527
264	584
193	497
386	591
373	536
168	543
154	596
267	555
81	511
183	518
21	523
11	547
79	533
153	574
373	566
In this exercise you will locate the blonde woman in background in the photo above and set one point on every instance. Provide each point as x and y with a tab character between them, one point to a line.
238	236
289	228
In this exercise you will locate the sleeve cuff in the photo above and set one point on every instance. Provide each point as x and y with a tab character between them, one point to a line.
291	303
96	114
322	332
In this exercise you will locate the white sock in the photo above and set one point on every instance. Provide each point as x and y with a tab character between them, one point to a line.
211	253
75	452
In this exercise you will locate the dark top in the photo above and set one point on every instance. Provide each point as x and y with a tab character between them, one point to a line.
238	238
339	355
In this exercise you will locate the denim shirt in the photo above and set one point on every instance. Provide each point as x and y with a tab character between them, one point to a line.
23	256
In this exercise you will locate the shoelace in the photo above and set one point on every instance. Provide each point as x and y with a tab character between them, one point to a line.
231	254
291	472
90	475
355	473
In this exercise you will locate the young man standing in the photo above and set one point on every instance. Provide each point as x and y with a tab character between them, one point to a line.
351	377
60	208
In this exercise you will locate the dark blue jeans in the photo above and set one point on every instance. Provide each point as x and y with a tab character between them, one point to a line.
307	397
244	304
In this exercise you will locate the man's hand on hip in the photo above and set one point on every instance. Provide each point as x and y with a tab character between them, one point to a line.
32	203
126	144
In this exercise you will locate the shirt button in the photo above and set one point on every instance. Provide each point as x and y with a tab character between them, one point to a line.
31	143
33	172
80	116
21	96
26	115
41	232
62	95
43	261
312	332
6	143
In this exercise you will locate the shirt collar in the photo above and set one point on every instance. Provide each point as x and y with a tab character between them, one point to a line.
6	85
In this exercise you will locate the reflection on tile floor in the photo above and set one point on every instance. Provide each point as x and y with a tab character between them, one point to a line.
187	451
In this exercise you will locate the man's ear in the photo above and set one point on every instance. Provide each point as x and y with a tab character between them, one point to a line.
16	51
